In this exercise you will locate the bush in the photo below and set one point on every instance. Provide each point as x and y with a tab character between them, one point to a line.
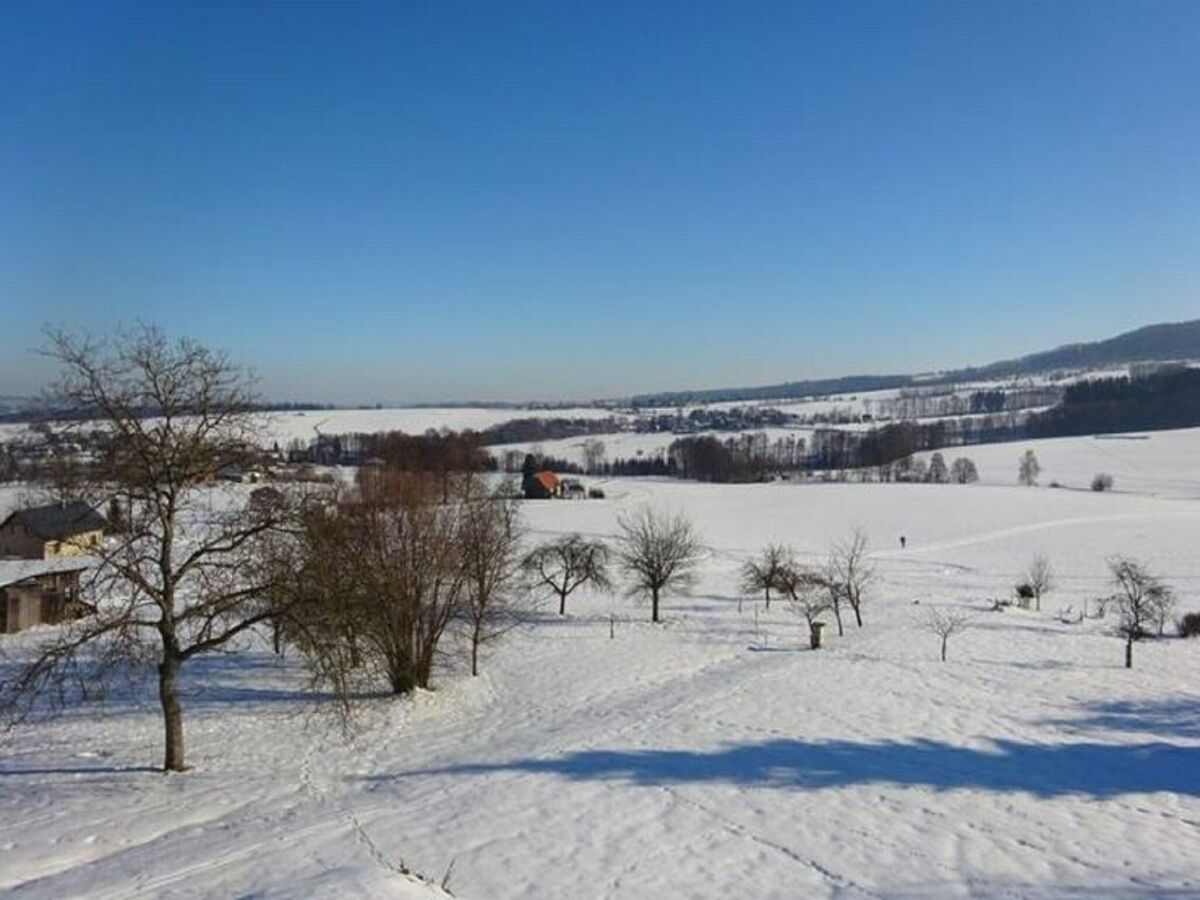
1189	625
1025	594
1102	482
595	494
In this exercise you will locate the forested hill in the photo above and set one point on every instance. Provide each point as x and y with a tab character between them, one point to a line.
1167	341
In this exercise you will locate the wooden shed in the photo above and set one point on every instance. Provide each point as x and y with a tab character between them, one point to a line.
38	593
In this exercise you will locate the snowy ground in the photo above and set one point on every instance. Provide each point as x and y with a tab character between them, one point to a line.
287	426
712	756
1159	463
304	425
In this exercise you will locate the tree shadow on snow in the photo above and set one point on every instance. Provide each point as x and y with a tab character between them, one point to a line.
1046	770
1170	718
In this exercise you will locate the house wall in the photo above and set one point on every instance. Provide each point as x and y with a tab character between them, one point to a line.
78	545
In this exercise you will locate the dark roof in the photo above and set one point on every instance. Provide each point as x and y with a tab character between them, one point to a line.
58	520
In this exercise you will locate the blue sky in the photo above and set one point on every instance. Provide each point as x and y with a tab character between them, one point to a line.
395	202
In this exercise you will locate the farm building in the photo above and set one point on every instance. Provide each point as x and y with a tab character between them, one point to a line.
36	592
542	486
55	530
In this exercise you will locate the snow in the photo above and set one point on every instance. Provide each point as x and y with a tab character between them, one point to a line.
304	425
286	426
711	756
630	445
1158	463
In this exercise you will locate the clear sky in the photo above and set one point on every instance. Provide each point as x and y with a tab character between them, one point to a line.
389	202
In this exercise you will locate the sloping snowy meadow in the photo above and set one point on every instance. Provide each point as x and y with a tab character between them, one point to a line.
600	756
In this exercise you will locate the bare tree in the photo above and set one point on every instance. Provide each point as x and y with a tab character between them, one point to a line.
1141	599
658	553
593	455
180	579
1029	469
488	541
1039	578
963	471
807	591
762	572
566	563
945	624
938	473
850	574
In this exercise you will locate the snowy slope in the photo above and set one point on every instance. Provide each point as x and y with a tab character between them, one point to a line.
711	756
1159	463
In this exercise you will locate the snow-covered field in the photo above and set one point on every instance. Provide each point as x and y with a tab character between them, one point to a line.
283	427
286	426
711	756
1159	463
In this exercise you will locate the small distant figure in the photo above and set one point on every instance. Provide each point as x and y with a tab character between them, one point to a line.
903	542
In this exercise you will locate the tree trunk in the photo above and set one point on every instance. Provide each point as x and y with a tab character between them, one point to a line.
767	592
944	639
474	657
654	605
837	615
858	615
168	695
562	604
401	679
1129	653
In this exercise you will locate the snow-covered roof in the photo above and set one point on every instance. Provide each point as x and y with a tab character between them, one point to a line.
14	571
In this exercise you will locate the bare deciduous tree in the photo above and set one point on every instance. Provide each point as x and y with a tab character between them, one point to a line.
488	541
564	564
807	590
938	473
1029	469
1141	599
658	553
963	471
850	574
1039	577
945	624
762	572
181	578
593	455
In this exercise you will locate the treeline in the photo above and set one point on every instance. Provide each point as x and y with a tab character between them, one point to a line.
524	431
746	457
1167	399
433	451
738	418
941	402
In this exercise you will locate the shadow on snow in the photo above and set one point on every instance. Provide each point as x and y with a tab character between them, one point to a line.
1046	770
1169	718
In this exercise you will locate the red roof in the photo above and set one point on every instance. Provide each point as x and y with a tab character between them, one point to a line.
548	480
